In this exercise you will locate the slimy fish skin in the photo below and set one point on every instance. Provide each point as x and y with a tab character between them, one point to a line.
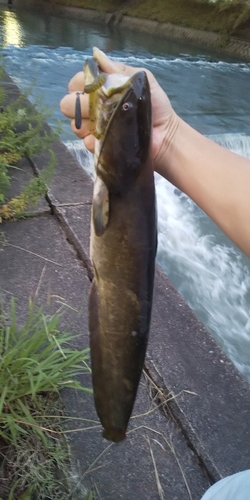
123	246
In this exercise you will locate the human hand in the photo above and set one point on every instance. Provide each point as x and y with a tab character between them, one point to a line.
164	119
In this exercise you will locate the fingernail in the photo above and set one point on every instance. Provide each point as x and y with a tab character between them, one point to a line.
96	50
102	57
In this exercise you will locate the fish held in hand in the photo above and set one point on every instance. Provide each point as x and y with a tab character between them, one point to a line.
123	242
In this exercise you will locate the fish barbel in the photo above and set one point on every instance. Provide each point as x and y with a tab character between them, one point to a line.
123	242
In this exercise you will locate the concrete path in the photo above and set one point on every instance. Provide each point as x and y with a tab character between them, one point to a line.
190	424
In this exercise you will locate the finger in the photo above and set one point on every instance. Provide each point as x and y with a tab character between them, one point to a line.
68	105
80	132
76	83
109	66
83	133
89	142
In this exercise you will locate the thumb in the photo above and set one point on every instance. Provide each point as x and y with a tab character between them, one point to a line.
109	66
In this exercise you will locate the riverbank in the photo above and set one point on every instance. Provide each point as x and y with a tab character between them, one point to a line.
218	17
185	25
231	46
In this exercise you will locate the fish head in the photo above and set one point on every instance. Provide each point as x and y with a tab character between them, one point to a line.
124	122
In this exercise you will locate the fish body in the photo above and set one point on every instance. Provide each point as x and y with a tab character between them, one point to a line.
122	249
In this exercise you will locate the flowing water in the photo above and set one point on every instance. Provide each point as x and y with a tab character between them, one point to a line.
211	94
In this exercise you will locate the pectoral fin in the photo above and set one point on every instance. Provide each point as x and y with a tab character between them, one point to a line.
100	207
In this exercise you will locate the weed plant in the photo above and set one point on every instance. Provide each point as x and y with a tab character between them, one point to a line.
36	361
22	134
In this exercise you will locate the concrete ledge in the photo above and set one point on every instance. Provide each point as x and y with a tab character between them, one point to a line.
234	46
189	34
144	25
86	14
67	180
70	217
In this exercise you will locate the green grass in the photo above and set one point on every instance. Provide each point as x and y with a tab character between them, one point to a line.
36	362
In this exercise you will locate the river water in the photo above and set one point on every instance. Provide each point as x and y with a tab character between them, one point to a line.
212	94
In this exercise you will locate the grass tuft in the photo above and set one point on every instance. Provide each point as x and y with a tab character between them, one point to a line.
36	361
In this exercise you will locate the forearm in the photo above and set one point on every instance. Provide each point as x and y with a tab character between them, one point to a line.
215	178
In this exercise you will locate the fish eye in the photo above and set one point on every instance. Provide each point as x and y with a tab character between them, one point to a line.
126	106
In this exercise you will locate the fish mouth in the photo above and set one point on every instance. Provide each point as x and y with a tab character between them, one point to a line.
119	84
115	91
106	92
